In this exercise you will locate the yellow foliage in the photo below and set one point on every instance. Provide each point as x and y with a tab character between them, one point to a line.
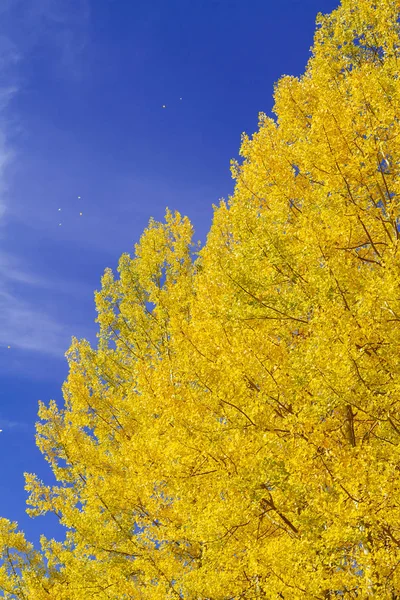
236	432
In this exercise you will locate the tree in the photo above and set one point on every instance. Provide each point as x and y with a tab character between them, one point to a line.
236	432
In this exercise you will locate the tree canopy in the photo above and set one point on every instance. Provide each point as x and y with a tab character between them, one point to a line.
235	434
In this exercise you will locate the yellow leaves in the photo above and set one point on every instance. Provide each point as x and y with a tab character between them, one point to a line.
9	537
236	431
163	252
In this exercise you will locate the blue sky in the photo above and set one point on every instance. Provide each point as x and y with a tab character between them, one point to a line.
83	129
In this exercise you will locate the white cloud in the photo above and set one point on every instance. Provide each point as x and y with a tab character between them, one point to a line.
25	25
18	426
24	326
27	328
6	94
6	153
60	24
10	269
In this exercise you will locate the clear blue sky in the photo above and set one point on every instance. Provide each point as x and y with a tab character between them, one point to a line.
83	129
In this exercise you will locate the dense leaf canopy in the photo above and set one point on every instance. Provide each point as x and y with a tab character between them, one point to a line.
235	434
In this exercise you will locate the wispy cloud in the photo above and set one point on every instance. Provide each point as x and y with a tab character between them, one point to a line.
11	270
7	92
14	270
23	325
25	26
27	328
62	25
15	426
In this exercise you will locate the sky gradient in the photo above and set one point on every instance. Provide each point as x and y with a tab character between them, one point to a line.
83	130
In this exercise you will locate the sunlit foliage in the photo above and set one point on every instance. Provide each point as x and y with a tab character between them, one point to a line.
236	432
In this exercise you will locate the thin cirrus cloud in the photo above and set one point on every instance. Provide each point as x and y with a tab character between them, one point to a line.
25	25
23	325
60	25
17	426
6	152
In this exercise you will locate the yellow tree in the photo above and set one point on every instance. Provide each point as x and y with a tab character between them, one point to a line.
235	434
